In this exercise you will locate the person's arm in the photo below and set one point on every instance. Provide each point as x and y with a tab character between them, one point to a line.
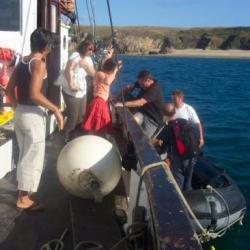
111	77
200	135
128	88
68	73
89	68
156	142
135	103
10	90
108	55
195	119
38	71
148	96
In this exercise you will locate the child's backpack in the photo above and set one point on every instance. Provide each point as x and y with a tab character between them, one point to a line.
184	139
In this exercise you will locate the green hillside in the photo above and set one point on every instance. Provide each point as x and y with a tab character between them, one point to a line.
163	40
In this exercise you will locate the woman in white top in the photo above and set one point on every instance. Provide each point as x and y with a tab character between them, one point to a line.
78	67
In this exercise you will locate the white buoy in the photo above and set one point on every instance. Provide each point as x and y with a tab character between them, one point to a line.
89	167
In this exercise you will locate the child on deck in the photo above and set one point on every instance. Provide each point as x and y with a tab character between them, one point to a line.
97	119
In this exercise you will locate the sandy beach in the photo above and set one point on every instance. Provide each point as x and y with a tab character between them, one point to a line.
202	53
211	53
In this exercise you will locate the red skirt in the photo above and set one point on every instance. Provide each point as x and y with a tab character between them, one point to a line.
97	118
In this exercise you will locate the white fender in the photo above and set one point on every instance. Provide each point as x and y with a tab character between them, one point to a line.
89	167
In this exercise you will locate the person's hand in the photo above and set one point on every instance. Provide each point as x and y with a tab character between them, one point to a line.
59	119
156	142
73	86
168	162
119	64
119	104
109	54
200	142
160	143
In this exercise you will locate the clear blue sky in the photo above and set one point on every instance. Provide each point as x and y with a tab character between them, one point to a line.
170	13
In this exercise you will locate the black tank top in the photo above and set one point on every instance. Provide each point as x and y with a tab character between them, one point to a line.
23	77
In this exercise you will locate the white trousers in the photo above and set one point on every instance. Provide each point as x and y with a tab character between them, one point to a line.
29	125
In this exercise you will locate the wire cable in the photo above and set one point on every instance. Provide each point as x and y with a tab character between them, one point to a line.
115	54
111	24
93	19
26	27
77	19
89	16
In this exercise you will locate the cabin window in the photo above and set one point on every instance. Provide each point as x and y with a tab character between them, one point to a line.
53	18
10	15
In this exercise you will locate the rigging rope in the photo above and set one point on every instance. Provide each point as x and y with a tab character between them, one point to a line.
26	27
77	19
211	189
115	54
111	25
90	20
87	6
93	18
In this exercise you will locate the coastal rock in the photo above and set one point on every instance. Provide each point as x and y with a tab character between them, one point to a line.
166	47
229	43
142	45
245	43
203	42
151	40
207	41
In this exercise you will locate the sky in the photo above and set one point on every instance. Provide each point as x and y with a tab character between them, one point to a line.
169	13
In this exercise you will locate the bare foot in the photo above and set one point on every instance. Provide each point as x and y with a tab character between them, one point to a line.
24	201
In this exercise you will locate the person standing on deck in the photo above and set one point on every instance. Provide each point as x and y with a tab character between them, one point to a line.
187	112
96	63
78	67
30	78
77	94
149	102
97	119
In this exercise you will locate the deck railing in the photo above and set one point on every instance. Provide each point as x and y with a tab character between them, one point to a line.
172	226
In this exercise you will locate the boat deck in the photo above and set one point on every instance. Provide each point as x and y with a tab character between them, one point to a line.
84	219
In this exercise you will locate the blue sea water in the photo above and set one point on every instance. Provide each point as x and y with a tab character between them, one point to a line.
219	90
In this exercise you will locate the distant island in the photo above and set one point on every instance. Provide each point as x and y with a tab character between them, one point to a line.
178	41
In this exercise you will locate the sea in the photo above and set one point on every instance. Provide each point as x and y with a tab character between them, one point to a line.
219	90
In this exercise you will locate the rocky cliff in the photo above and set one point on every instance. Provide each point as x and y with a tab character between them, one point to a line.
151	40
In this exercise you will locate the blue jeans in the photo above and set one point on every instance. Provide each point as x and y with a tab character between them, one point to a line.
183	172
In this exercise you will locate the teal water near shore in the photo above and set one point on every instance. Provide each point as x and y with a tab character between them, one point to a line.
219	90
